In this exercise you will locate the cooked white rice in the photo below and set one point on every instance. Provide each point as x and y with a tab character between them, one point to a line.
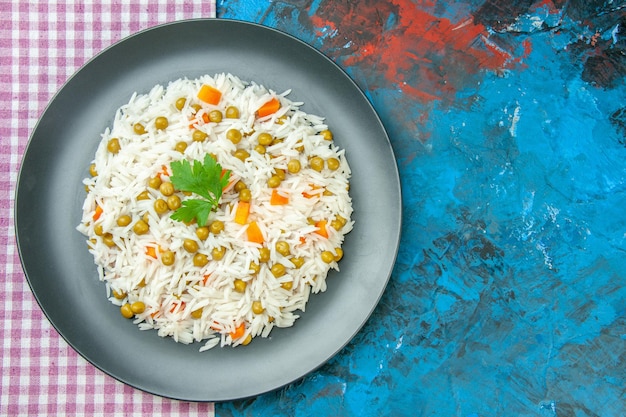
171	293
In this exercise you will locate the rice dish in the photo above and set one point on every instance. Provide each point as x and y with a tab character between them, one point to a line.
235	272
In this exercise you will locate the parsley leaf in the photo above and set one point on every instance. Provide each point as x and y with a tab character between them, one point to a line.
193	209
206	179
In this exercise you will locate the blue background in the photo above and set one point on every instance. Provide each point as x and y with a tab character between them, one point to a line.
508	120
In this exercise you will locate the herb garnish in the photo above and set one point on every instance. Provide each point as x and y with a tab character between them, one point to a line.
206	179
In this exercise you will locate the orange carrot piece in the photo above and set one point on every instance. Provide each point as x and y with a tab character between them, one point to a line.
150	251
239	331
242	212
98	213
322	231
254	233
224	171
313	188
277	199
268	108
174	305
195	120
232	180
163	171
209	94
205	279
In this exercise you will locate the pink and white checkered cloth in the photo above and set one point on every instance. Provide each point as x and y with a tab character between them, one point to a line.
41	45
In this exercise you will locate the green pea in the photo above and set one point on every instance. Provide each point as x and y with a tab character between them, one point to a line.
180	103
316	163
198	135
234	136
126	311
139	129
293	166
160	206
181	146
113	145
173	202
124	220
264	139
332	164
215	116
282	247
168	258
232	112
245	195
274	181
216	227
190	245
278	270
141	227
161	123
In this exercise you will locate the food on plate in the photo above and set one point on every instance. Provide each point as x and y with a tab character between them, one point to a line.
214	208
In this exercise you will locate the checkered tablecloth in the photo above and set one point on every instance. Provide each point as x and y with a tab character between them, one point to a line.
42	43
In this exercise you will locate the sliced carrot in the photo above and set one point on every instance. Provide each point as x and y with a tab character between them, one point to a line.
254	233
268	108
232	180
321	226
313	188
209	94
174	305
239	331
163	171
205	279
151	251
196	121
98	213
230	177
242	212
277	199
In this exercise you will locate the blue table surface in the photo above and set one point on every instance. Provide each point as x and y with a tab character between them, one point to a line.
508	121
